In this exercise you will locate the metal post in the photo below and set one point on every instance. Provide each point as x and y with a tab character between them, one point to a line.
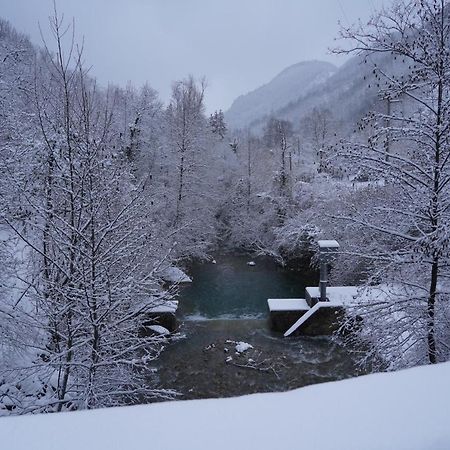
323	278
328	249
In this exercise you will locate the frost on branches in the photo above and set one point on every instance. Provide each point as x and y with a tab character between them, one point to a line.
86	257
407	149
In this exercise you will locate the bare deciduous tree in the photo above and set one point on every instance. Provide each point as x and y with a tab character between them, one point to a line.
416	175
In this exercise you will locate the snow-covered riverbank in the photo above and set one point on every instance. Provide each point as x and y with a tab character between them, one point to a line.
405	410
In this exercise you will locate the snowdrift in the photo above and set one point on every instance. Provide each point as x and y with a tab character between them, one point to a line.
407	410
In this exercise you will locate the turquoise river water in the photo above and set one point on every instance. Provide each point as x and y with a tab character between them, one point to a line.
226	304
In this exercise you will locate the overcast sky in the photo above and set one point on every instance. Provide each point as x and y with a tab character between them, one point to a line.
236	44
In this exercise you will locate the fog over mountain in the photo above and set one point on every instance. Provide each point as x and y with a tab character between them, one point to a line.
236	45
290	85
348	92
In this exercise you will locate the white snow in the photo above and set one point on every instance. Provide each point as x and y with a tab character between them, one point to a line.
407	410
358	185
353	295
175	275
242	347
159	329
328	244
251	263
168	307
337	295
287	304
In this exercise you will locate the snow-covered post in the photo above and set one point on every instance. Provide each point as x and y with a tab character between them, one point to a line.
327	249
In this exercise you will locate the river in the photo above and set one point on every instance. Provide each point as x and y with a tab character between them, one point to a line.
227	304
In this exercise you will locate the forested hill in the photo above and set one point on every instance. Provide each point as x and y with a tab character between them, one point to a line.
290	85
349	92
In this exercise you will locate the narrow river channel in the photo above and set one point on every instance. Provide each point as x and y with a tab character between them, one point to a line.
227	304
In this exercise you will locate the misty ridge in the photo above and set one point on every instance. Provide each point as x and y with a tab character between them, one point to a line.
111	199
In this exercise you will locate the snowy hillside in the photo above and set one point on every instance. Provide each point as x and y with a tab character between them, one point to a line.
291	84
349	92
405	410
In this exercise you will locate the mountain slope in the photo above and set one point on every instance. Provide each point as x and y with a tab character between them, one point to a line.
288	86
349	92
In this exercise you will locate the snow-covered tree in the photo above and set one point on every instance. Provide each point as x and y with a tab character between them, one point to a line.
189	170
217	124
318	126
413	178
94	254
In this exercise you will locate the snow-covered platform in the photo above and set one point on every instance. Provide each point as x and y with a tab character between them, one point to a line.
310	316
287	304
336	295
323	308
284	312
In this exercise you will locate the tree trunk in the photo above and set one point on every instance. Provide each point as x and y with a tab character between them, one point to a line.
431	312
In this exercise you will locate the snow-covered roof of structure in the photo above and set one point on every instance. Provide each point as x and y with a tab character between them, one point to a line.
337	295
287	304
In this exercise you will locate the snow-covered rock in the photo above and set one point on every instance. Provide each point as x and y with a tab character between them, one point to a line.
251	263
242	347
170	306
175	275
158	329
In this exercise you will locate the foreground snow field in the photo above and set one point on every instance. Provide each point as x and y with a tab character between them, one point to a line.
405	410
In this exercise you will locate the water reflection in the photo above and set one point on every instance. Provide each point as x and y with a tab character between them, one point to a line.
232	289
